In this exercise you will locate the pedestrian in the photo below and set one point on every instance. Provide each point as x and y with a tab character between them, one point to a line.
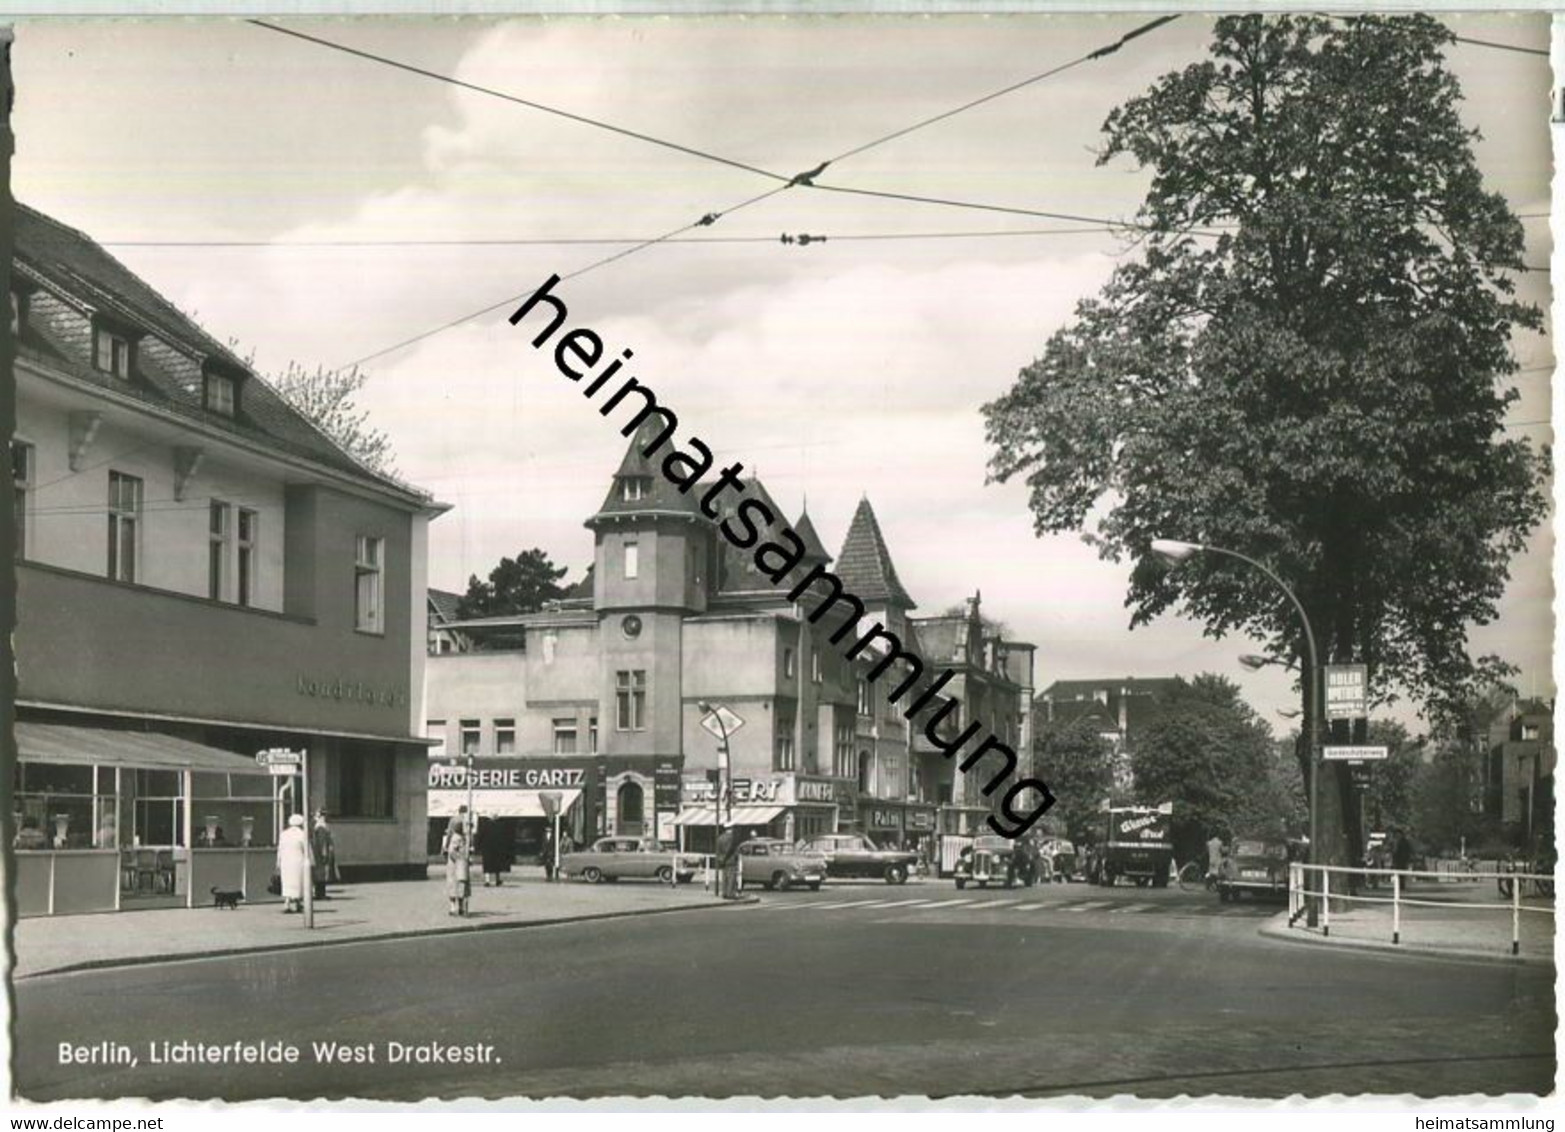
1402	854
324	847
727	850
293	864
546	854
1214	855
490	841
455	850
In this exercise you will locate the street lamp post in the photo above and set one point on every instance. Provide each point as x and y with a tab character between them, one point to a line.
724	776
1174	551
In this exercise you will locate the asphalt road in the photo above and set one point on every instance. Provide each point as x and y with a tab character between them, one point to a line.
857	990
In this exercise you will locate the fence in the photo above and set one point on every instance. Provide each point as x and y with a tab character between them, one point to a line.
1300	897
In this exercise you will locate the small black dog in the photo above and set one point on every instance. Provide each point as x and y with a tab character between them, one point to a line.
227	898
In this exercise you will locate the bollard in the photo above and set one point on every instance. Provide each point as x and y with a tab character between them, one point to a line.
1396	907
1325	902
1516	915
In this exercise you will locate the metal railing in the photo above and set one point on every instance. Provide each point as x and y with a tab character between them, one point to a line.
1300	897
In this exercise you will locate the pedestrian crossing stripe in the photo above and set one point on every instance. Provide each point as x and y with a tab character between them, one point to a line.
846	904
1027	907
902	903
951	903
1090	906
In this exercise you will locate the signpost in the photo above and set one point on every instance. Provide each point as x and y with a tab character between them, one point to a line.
284	763
721	722
550	801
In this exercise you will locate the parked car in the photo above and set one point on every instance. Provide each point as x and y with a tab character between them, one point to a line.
612	858
1256	866
853	855
772	863
1061	855
987	861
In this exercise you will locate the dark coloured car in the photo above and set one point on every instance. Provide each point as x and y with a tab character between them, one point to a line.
987	861
1255	866
854	856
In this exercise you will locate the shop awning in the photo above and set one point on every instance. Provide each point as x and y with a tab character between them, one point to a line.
498	803
151	750
740	815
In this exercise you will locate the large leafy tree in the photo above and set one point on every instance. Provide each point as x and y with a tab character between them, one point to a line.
1305	363
1077	762
517	585
1208	753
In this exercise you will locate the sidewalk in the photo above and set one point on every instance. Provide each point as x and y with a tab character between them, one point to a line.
50	944
1457	928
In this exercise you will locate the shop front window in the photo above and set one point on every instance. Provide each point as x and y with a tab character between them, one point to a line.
364	784
62	806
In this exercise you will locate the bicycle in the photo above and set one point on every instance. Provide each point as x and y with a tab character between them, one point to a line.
1193	876
1539	887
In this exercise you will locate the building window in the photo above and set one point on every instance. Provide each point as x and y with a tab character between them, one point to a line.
124	525
632	560
369	598
592	736
217	549
865	706
505	736
436	729
788	663
365	784
815	666
18	313
1531	731
785	752
565	736
632	805
630	700
222	394
863	775
842	751
633	488
21	486
249	531
472	733
111	353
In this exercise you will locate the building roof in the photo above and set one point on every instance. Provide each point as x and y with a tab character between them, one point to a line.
658	494
71	265
444	603
1131	685
815	549
865	565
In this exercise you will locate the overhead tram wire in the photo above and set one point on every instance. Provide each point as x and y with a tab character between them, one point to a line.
606	241
805	179
707	219
596	123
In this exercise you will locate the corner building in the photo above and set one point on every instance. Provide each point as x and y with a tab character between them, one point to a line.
673	615
201	575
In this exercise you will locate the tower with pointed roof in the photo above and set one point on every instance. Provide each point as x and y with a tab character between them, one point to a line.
651	570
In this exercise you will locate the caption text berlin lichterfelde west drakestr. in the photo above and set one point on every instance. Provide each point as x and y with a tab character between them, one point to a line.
577	351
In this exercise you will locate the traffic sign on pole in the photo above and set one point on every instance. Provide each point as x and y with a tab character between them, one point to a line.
720	722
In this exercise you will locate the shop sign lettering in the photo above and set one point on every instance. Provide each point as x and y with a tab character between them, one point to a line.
442	777
354	691
812	790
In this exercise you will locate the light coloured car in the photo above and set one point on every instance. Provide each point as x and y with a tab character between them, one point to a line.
613	858
772	863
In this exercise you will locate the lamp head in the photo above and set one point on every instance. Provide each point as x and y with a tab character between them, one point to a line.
1254	662
703	705
1172	550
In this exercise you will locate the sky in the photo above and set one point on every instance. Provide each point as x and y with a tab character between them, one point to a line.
839	370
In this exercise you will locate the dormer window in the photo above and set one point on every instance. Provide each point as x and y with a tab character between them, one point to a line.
634	488
222	394
111	352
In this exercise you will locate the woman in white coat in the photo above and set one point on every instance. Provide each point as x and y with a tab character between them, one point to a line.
293	863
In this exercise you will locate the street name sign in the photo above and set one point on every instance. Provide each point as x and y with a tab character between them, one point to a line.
1354	753
1347	691
279	761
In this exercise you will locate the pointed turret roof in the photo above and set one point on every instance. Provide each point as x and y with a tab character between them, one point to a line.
656	493
865	564
814	547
